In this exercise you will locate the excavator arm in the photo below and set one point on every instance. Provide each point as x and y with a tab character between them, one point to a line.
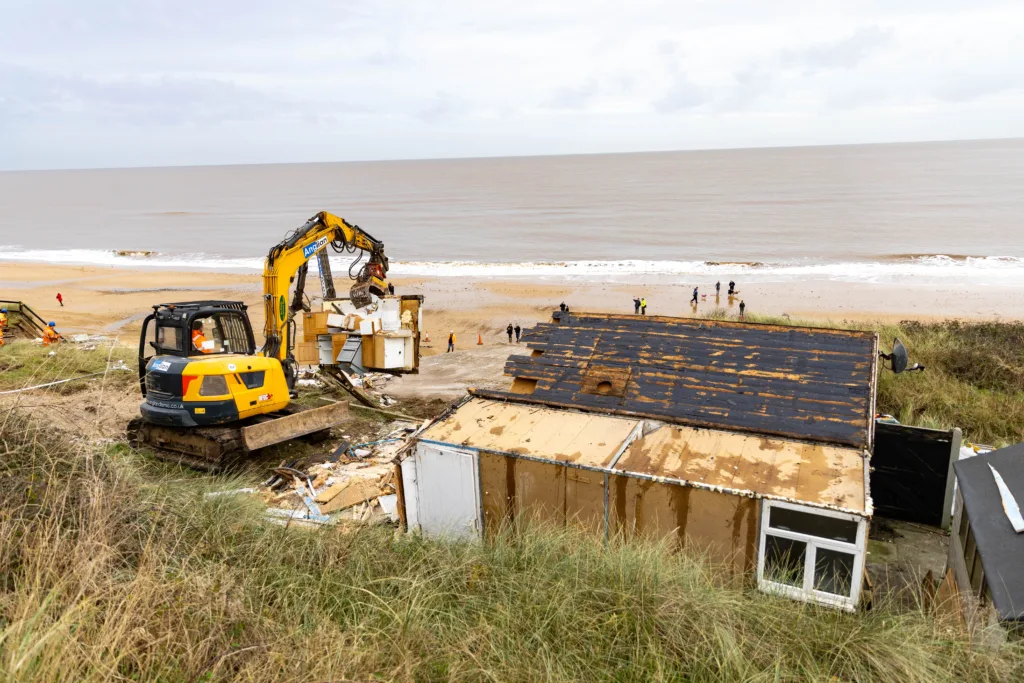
288	261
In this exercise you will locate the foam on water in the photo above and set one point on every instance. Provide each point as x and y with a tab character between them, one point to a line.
919	269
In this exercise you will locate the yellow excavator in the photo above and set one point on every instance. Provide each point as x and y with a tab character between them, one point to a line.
210	396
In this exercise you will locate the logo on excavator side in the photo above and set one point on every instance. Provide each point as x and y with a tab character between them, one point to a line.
314	247
282	308
265	397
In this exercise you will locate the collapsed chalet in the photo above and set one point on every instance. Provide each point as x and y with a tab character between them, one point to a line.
747	442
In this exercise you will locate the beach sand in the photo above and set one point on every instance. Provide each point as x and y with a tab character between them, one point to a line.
113	301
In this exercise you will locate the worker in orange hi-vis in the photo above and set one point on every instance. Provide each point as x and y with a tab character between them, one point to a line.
1	336
199	340
3	318
50	334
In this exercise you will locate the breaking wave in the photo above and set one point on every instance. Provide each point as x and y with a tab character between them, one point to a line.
909	268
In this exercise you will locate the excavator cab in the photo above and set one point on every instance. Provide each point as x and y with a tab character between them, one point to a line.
223	325
197	366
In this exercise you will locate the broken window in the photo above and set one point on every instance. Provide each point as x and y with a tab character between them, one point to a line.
811	554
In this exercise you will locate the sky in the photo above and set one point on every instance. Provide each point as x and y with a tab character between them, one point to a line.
110	83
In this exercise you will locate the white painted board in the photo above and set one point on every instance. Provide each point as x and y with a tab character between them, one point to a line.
448	491
394	353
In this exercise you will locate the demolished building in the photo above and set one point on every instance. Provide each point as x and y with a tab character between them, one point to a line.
747	442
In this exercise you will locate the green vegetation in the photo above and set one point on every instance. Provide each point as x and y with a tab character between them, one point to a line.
111	569
974	379
24	364
115	567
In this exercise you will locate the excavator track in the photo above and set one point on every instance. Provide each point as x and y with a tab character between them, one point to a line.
212	449
220	448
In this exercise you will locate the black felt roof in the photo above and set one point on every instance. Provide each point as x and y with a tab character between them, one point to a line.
1001	548
805	383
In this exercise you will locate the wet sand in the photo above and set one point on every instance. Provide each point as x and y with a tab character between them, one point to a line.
113	301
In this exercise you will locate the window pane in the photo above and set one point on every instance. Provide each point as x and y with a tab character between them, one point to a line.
833	571
784	560
168	338
813	525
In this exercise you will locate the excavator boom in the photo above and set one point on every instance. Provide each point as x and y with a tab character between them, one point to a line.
288	262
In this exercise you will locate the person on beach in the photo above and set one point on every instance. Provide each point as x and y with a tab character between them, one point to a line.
518	330
643	306
718	288
732	288
451	341
509	331
636	305
562	307
743	307
60	300
694	299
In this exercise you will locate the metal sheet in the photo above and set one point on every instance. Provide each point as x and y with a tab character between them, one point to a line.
580	438
806	383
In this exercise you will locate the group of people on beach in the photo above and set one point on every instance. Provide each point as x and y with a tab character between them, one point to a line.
640	303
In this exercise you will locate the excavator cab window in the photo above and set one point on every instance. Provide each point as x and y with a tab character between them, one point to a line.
220	332
168	339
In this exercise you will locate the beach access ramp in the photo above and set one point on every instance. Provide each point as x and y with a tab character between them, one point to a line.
22	321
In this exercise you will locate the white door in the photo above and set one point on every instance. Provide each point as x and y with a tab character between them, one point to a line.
448	491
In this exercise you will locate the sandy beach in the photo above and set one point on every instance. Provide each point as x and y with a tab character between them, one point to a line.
113	300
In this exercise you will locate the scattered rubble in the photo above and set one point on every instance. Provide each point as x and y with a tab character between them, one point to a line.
352	484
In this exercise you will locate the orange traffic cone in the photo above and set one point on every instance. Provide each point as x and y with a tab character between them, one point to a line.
479	339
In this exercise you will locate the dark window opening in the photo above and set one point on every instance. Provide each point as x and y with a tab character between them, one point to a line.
833	572
813	525
784	560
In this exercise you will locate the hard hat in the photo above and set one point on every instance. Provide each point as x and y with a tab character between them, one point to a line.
3	310
52	324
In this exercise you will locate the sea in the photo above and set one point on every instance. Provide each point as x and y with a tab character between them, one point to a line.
949	212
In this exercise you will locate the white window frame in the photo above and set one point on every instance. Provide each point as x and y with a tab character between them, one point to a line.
807	592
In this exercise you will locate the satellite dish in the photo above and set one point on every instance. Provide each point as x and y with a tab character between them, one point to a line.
899	358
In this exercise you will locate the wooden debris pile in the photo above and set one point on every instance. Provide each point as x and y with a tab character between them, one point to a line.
354	485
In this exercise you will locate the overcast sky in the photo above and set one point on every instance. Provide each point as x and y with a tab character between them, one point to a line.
96	83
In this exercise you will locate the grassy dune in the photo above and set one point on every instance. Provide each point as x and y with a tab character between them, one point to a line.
974	379
115	567
24	364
